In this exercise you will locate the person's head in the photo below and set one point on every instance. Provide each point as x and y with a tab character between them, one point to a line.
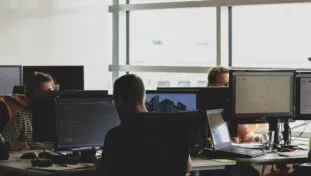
39	82
218	76
129	94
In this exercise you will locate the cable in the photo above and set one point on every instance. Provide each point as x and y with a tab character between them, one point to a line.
306	125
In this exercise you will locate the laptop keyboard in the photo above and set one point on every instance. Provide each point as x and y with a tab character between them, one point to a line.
243	152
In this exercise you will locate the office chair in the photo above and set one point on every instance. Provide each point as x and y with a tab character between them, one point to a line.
165	142
19	90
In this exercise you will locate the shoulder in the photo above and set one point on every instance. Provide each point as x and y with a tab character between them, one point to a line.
114	133
23	115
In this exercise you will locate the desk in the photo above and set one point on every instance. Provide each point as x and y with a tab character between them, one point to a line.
17	167
22	168
274	158
202	164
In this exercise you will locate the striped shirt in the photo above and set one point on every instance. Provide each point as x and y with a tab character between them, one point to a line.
19	129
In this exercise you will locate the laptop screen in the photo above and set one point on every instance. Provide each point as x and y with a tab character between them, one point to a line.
219	129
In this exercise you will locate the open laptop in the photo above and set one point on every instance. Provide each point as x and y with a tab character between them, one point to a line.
222	140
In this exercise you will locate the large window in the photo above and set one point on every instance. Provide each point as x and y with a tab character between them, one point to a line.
199	34
151	1
174	37
272	35
154	80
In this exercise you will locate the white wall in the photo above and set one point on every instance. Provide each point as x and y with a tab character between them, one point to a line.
57	32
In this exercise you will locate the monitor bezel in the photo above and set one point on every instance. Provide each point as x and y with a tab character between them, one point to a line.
262	116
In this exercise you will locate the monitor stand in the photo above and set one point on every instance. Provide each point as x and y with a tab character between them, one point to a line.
85	155
287	135
274	126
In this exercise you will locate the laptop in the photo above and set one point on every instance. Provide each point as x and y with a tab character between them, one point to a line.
221	139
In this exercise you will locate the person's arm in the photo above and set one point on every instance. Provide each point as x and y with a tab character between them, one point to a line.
104	162
246	136
189	165
12	132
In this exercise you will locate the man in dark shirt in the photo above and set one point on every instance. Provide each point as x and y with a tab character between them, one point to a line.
121	153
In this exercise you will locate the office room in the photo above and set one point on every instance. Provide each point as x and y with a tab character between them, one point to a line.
155	87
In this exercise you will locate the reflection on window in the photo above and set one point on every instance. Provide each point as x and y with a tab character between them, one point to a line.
154	80
272	35
183	83
164	84
202	83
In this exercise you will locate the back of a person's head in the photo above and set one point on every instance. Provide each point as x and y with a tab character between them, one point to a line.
128	92
35	80
212	75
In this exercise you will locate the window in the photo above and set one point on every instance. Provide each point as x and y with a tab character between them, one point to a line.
173	37
154	1
154	80
272	36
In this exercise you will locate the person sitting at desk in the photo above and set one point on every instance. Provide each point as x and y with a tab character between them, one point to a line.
118	157
18	130
219	77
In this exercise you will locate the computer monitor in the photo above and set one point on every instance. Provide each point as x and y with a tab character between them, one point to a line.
43	110
171	101
82	123
303	96
212	98
262	94
68	77
9	77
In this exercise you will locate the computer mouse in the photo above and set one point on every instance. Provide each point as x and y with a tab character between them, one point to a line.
29	155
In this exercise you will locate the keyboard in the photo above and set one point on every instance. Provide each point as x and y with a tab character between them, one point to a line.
242	152
250	145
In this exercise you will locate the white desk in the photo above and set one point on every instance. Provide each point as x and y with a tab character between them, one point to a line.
23	168
201	164
274	158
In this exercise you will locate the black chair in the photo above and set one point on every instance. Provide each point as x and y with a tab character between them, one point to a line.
19	90
166	139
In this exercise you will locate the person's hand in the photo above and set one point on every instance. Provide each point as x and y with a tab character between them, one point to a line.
253	138
19	146
235	140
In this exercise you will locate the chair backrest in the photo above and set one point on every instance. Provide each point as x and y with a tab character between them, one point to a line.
10	105
4	115
165	141
19	90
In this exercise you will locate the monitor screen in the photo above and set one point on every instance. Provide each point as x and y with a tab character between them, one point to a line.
67	77
303	95
262	93
170	101
84	122
43	111
10	76
219	129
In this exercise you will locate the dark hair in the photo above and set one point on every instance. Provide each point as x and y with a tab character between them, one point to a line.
35	80
127	91
212	75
